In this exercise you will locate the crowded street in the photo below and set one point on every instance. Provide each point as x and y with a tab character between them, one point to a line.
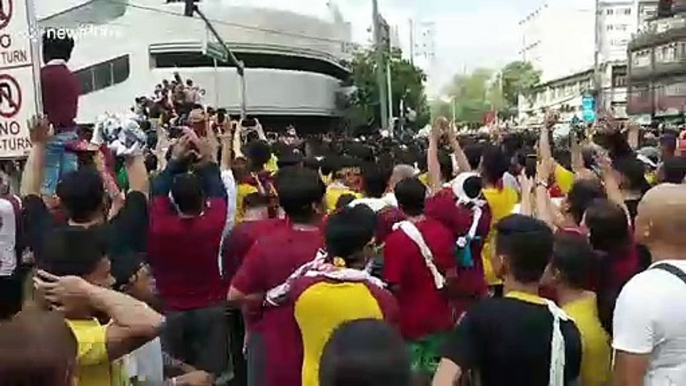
283	203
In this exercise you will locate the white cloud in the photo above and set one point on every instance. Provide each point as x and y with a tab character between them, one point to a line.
485	36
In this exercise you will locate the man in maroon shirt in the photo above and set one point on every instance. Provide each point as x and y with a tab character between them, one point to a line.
187	219
469	284
60	93
274	360
416	262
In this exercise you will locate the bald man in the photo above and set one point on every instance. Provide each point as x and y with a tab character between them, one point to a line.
400	172
650	315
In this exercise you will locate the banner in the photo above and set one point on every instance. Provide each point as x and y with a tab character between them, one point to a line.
19	76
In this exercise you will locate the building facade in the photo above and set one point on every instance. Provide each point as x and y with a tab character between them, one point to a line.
657	67
557	38
566	42
294	62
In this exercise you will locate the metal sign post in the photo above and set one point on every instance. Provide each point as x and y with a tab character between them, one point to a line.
221	51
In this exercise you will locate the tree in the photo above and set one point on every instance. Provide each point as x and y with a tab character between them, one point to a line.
407	84
470	94
485	90
518	78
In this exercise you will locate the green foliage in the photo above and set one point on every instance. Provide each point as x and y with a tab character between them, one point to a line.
407	83
470	94
485	90
518	78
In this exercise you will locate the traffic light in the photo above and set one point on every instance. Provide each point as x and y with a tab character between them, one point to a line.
190	7
664	8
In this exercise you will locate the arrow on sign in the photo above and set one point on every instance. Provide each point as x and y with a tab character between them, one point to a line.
6	9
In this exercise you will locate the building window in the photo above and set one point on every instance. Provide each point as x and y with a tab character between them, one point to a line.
677	89
666	53
619	77
640	59
86	80
104	74
626	11
120	69
610	27
609	11
641	92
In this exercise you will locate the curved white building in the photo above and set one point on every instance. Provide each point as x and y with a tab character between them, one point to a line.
126	47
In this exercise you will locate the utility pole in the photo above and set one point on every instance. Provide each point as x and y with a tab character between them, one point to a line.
190	9
597	79
380	67
390	94
412	42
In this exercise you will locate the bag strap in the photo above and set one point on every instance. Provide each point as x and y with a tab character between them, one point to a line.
671	269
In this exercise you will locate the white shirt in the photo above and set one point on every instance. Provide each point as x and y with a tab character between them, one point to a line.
230	185
511	181
56	62
650	318
8	238
145	363
376	204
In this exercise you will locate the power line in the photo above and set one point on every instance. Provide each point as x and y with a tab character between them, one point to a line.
230	24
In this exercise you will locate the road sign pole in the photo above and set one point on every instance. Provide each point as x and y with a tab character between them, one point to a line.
380	67
35	53
240	66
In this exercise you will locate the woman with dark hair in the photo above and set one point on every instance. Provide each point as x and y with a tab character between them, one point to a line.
37	348
610	234
630	173
365	352
568	216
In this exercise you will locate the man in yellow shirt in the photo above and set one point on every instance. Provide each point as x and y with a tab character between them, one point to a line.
501	199
338	291
341	175
76	281
257	179
572	262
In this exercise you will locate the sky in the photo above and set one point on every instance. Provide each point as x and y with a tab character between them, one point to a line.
468	33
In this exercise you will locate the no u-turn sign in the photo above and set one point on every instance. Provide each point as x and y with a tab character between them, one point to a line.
19	76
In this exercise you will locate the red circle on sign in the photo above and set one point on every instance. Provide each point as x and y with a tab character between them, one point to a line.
13	100
6	9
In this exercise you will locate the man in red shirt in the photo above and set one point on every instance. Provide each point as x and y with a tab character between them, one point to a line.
274	359
417	258
236	246
187	219
458	214
60	94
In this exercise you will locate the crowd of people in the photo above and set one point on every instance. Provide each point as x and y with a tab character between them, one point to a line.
209	252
